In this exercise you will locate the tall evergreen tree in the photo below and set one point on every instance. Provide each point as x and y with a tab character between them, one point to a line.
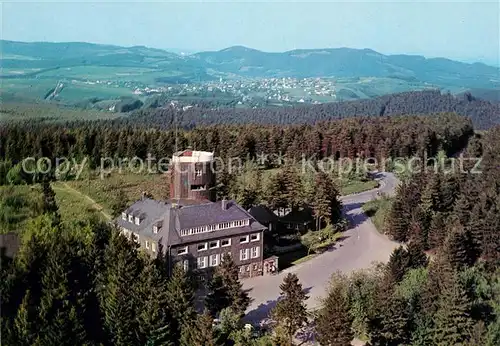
119	301
453	324
333	320
398	264
225	289
290	313
416	255
391	323
458	247
203	333
49	202
154	315
180	293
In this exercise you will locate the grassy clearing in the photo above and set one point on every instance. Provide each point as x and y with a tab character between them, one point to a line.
18	204
107	191
74	205
348	186
50	112
378	210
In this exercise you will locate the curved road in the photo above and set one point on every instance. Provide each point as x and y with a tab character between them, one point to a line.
362	246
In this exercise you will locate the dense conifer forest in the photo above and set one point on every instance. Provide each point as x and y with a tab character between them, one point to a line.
86	284
484	114
398	136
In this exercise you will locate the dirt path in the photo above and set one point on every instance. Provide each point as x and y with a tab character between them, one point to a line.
94	204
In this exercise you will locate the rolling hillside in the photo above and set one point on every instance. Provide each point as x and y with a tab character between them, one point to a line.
347	62
79	71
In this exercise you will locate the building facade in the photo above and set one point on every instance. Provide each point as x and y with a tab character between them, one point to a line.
192	176
191	229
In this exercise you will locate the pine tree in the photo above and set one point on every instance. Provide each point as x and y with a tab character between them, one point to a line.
431	197
398	220
333	321
120	203
453	325
416	255
49	202
293	187
225	289
290	312
24	325
325	203
450	190
119	301
398	264
203	333
154	316
180	293
390	325
275	192
217	297
457	247
437	230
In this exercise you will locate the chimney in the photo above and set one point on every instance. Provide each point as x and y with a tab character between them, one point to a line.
224	204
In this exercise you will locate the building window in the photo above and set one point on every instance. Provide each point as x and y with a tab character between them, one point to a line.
244	239
248	268
255	267
137	221
135	237
124	216
214	260
182	250
225	242
153	246
185	265
255	237
255	252
147	244
130	218
202	247
243	254
198	172
213	244
201	262
242	269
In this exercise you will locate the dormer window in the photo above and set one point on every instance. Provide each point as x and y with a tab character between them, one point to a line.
130	218
156	229
124	216
137	221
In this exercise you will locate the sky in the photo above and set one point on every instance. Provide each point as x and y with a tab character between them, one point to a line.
462	30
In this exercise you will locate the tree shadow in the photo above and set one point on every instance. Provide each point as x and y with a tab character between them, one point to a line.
260	315
354	219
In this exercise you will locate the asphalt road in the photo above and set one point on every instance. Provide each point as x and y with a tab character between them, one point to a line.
362	246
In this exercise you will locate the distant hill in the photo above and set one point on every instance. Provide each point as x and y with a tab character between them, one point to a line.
347	62
80	71
15	54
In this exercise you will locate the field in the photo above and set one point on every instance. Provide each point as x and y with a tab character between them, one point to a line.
121	189
17	205
47	111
